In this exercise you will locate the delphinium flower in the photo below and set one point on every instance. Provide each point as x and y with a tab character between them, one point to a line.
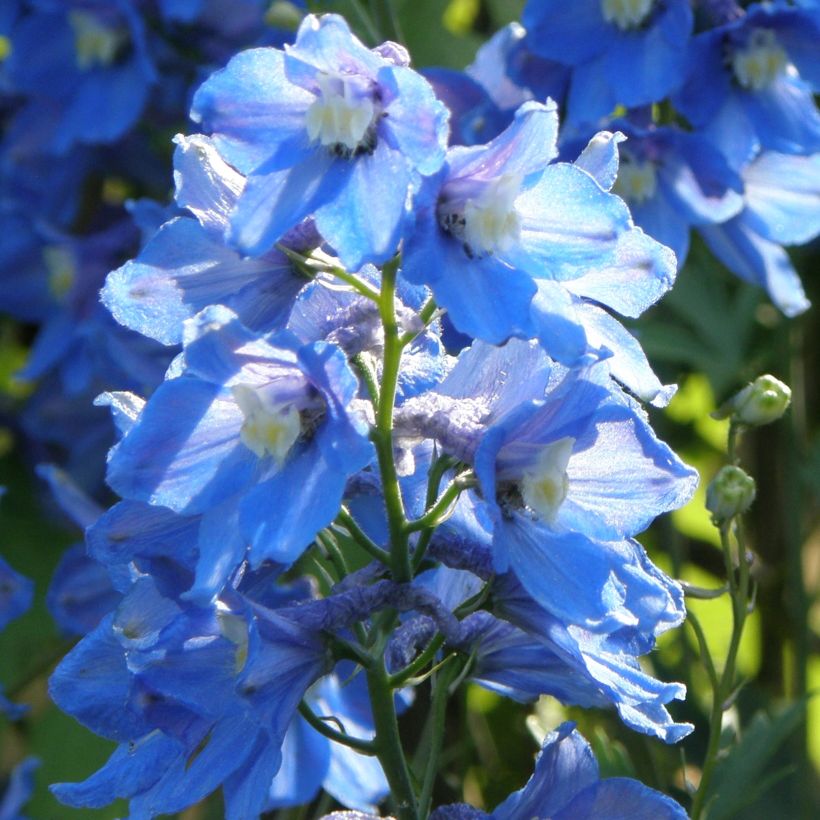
622	52
324	128
90	85
750	79
198	697
514	246
250	425
187	264
545	443
671	180
312	389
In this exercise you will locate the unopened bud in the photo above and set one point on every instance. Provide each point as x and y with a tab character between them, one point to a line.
765	400
730	493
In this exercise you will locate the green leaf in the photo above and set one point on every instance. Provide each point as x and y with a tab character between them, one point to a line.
744	775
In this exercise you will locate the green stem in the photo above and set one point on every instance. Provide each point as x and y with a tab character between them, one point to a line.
346	520
438	709
388	744
365	747
725	685
383	433
414	667
369	377
437	471
436	514
705	655
425	316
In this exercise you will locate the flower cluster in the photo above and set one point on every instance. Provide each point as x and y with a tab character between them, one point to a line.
322	225
722	131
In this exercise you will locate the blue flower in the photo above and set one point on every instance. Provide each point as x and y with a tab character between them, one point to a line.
92	82
568	467
749	83
262	425
512	246
327	128
198	697
673	180
621	53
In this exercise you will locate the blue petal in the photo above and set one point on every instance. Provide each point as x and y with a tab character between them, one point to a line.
274	200
620	798
185	452
624	480
221	551
365	217
600	158
784	116
205	184
628	362
304	496
93	684
416	122
523	148
783	197
256	113
570	575
132	768
759	261
305	760
325	44
564	767
569	33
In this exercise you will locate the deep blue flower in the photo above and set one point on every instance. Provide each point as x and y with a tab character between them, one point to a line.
749	83
92	82
568	468
673	180
327	128
627	54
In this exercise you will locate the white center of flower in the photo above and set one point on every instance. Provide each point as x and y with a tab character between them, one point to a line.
544	487
636	182
339	116
762	60
268	428
626	14
94	43
491	221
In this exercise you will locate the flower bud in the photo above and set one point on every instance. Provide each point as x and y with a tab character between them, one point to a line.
765	400
730	493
